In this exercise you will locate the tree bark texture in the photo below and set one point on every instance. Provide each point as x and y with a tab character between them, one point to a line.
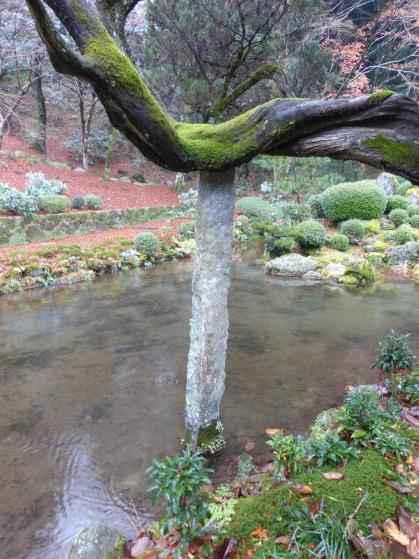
210	286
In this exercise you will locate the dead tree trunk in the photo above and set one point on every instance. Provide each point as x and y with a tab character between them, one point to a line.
41	140
209	324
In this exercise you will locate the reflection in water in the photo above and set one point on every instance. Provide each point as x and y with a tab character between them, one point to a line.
92	385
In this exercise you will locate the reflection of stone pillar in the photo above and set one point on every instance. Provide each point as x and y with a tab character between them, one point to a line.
211	282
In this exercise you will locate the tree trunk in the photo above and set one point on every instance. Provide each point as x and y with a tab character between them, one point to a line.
209	324
109	154
41	141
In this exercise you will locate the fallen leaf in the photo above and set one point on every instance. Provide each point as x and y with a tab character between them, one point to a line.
392	531
266	468
416	464
409	418
407	524
302	489
140	546
271	431
400	469
314	508
283	540
333	476
260	534
402	489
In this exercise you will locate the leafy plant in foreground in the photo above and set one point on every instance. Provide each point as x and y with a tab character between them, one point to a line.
394	354
178	480
289	452
329	449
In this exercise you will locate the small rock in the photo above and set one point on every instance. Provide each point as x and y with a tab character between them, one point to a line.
79	170
94	543
266	188
312	276
292	265
388	183
334	270
408	252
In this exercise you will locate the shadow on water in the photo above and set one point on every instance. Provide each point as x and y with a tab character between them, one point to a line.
92	385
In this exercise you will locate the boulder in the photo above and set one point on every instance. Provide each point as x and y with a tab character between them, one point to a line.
291	265
334	270
312	276
95	542
408	252
388	183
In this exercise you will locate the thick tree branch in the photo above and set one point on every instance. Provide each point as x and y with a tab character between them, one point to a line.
380	129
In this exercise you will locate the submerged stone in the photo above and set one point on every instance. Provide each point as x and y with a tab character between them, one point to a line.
95	542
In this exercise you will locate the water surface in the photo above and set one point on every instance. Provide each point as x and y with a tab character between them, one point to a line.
92	385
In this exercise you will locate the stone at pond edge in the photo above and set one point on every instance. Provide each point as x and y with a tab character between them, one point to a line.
334	270
95	542
291	265
408	252
388	183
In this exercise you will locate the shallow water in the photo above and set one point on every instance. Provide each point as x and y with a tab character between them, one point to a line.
92	385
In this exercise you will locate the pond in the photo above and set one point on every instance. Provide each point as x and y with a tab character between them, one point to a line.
92	385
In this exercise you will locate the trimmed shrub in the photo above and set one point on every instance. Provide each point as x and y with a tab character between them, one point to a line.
414	221
403	234
147	244
413	209
354	229
339	242
354	200
38	185
396	202
78	203
54	204
292	212
93	202
19	203
316	205
252	206
311	234
399	216
281	246
373	226
187	230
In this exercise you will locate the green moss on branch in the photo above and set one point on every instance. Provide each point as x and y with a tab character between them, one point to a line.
399	153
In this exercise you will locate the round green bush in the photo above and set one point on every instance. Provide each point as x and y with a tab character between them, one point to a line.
311	234
281	246
147	244
403	234
414	221
413	209
93	202
396	202
78	203
316	205
399	216
252	206
354	200
354	229
339	242
54	204
187	230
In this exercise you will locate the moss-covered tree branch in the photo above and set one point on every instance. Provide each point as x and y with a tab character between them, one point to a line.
380	129
265	72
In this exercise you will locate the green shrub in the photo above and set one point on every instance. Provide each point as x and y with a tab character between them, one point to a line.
38	185
292	212
311	234
54	204
78	203
328	449
289	452
403	234
339	242
413	209
252	206
354	229
399	216
93	202
316	205
147	244
396	202
394	354
357	200
179	480
187	230
414	221
278	247
19	203
373	226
